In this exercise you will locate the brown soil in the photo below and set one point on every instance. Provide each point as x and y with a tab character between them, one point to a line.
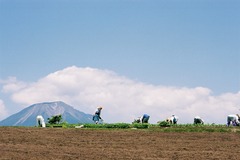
59	143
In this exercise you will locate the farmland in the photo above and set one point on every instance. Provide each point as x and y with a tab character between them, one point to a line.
154	142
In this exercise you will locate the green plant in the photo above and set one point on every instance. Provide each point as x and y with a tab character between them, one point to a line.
55	119
140	125
108	125
164	124
117	125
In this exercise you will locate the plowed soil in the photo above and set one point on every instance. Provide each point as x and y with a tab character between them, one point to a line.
59	143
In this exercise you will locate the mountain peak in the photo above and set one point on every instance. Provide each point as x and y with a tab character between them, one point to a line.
27	116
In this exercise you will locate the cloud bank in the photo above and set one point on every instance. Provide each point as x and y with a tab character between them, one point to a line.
3	111
123	99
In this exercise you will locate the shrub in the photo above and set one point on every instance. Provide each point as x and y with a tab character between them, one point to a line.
55	119
164	124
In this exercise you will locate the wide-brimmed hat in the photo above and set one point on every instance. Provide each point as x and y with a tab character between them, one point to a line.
100	107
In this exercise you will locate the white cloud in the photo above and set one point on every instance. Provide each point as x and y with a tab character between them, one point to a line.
3	111
12	85
124	99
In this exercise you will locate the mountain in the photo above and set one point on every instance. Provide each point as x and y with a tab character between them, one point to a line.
27	116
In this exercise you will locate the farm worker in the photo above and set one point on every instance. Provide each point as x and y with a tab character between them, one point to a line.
137	120
198	120
233	119
144	118
96	116
173	119
40	121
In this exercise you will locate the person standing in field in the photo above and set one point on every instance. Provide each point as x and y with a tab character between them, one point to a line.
97	115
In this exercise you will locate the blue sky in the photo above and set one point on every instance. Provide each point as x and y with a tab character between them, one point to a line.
171	43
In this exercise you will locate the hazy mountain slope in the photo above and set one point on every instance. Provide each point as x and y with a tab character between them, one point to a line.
27	116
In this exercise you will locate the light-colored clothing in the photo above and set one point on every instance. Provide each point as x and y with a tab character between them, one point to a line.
233	119
96	116
40	121
145	118
198	120
172	120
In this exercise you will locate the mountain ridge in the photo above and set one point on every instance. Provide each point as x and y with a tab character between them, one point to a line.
27	116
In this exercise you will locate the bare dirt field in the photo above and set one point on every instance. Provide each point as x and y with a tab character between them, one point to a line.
61	143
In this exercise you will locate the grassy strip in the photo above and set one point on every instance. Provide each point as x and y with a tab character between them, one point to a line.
117	125
156	127
196	129
105	125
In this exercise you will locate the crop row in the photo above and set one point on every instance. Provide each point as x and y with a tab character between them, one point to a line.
162	127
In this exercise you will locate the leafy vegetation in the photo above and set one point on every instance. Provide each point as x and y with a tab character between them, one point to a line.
107	125
160	127
140	125
55	119
166	127
164	124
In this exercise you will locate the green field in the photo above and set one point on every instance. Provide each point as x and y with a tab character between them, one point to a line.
161	127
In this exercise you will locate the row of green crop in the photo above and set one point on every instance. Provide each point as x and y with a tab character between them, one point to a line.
106	125
118	125
162	127
166	124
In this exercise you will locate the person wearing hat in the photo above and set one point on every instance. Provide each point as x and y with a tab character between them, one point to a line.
96	116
